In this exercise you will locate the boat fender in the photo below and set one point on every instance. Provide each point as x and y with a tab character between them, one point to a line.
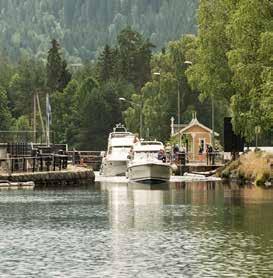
174	167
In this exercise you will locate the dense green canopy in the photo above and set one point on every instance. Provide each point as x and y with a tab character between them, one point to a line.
233	60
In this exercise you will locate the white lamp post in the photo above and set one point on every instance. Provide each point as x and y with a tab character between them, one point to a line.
178	103
178	98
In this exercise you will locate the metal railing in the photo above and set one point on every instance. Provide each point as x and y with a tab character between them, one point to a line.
34	164
212	158
92	158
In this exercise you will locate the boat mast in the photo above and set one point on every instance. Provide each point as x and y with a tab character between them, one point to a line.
48	120
40	114
34	117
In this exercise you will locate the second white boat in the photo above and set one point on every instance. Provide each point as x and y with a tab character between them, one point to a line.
120	142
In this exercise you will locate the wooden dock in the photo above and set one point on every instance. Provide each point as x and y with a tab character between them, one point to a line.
4	185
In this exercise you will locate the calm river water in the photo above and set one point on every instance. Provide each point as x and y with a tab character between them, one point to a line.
129	230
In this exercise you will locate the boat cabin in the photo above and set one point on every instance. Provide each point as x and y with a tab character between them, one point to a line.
147	148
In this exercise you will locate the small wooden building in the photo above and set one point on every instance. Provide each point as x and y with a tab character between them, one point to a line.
194	137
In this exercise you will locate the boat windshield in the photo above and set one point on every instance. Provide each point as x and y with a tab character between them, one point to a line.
146	155
147	143
120	135
119	149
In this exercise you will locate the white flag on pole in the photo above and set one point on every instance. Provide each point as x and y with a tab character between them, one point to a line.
48	110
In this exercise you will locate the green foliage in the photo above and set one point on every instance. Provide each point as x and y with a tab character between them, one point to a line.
23	126
5	115
210	73
84	26
107	64
28	78
233	60
159	97
65	113
134	55
6	71
249	60
57	74
100	111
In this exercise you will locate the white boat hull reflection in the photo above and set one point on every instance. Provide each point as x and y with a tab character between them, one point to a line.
114	168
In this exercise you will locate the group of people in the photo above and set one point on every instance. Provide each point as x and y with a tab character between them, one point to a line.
209	149
175	153
210	153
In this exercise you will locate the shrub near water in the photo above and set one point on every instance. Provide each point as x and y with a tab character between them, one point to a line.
255	167
250	167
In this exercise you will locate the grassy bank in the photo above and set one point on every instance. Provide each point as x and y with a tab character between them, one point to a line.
252	167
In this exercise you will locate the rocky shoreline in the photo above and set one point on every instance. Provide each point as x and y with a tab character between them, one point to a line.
74	176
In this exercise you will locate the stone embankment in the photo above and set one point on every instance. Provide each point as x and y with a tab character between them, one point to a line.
252	167
73	176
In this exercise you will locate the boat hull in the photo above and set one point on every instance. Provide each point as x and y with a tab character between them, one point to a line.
149	172
113	168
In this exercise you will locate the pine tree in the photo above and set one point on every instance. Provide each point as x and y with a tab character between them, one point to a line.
135	55
106	64
57	74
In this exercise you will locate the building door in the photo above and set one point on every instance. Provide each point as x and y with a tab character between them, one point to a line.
202	144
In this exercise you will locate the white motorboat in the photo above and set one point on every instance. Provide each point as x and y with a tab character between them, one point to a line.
145	165
120	143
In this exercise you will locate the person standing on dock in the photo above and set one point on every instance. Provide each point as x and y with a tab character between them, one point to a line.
209	152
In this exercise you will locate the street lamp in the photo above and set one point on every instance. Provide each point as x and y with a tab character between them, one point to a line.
212	113
189	63
212	121
178	98
140	113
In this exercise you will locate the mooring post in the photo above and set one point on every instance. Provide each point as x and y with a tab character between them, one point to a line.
65	158
54	163
48	163
33	164
24	164
60	163
41	164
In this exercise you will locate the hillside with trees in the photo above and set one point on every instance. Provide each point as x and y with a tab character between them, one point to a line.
83	27
231	67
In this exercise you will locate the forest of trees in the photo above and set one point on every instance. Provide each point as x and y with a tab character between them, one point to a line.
231	59
83	27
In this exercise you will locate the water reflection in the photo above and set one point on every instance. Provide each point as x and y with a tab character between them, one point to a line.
120	229
201	229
